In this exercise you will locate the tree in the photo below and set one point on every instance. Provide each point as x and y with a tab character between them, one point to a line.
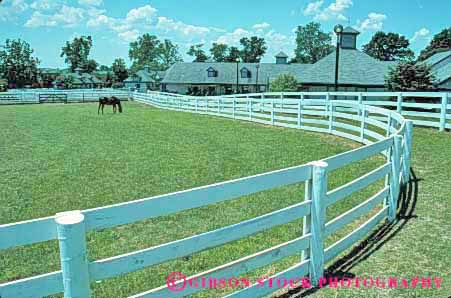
90	66
76	54
388	47
17	64
234	53
312	44
149	51
408	76
253	49
69	82
145	52
120	70
169	54
440	42
284	83
198	53
104	68
219	52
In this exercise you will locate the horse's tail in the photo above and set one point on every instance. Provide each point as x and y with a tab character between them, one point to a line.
120	106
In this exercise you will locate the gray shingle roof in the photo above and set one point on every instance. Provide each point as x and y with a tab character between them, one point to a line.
145	76
434	59
281	55
441	65
349	29
443	73
196	72
355	68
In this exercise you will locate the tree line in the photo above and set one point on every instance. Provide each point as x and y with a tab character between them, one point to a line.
20	67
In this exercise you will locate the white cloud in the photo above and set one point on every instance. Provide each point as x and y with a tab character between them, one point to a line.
10	11
168	25
233	38
274	41
91	2
99	20
141	13
423	33
261	26
313	8
129	36
335	11
45	4
373	22
67	16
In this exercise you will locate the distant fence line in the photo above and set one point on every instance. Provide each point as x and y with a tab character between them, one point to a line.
429	109
384	132
73	95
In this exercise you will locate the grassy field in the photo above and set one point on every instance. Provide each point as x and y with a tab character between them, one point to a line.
56	158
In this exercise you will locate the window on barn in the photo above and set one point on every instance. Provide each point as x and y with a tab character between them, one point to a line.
212	73
245	73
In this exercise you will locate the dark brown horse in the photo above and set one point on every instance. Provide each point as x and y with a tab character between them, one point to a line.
112	101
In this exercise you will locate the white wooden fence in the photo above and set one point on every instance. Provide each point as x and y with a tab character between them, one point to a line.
382	131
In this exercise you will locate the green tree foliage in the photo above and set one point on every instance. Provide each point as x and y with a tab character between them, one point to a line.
69	82
104	68
234	53
408	76
149	51
253	49
284	83
388	47
169	54
144	52
312	44
120	70
198	53
219	52
17	64
76	54
440	42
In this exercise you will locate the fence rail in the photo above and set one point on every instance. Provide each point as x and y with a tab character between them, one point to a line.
382	131
77	95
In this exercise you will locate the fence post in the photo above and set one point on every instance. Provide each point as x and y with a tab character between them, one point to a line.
394	179
219	106
281	100
364	113
399	103
443	112
299	113
71	233
234	107
306	227
272	111
360	101
197	104
318	215
249	100
407	150
331	116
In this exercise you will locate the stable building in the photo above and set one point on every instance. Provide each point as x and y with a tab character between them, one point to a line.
440	64
357	72
145	79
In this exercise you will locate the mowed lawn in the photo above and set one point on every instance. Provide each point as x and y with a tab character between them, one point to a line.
57	158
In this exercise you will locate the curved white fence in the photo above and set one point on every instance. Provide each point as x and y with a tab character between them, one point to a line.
381	131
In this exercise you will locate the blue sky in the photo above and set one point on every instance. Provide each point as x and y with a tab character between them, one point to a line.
47	24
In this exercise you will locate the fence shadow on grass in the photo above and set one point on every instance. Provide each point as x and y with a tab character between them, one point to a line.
342	268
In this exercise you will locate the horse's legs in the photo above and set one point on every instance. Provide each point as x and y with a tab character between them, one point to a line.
102	108
114	108
98	110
